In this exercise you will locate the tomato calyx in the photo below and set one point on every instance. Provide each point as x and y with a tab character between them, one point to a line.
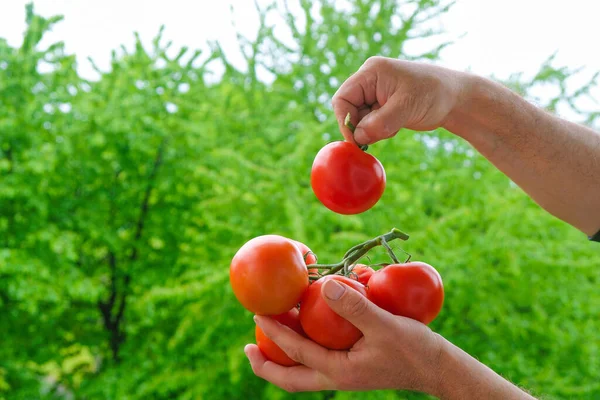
352	256
352	128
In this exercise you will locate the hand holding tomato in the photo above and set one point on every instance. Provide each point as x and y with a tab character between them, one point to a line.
269	349
395	352
321	323
270	272
386	95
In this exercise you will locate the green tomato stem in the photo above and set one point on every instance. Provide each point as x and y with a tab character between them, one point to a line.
357	252
390	251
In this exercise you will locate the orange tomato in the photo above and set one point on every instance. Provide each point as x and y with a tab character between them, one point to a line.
268	275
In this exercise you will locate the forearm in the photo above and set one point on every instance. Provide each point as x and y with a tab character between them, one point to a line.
556	162
463	377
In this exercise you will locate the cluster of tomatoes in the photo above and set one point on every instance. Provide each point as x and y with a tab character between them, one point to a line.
272	275
276	276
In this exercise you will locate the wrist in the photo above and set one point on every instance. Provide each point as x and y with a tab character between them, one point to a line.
460	376
470	88
432	381
488	115
439	384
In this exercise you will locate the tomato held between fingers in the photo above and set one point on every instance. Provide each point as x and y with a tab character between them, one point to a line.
362	273
270	350
346	179
268	275
412	290
321	323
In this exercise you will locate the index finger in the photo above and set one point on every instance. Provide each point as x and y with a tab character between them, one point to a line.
341	108
352	97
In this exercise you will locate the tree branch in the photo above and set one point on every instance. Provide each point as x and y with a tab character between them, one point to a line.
145	202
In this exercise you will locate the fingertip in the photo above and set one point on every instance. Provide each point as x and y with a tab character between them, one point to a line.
361	136
255	356
248	349
259	320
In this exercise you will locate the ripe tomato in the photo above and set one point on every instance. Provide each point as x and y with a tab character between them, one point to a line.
412	290
309	257
269	348
362	273
307	254
346	179
268	275
321	323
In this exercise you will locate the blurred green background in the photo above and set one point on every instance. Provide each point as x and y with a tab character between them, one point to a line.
123	200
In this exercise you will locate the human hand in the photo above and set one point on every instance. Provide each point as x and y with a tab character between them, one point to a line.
395	352
387	94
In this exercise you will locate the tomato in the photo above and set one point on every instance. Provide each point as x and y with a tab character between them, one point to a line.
346	179
412	290
268	275
270	350
362	273
309	257
307	254
321	323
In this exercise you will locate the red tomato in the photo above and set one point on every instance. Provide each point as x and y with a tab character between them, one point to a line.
412	290
346	179
269	348
362	273
307	254
309	257
321	323
268	275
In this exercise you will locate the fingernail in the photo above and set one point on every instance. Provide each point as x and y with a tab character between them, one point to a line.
246	349
256	320
334	290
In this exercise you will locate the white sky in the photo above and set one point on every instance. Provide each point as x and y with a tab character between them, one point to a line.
502	36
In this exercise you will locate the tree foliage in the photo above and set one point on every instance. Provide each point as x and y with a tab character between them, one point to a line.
122	201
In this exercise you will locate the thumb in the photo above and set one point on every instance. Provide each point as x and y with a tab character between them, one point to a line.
382	123
352	306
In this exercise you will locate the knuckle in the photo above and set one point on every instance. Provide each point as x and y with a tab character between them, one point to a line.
274	336
374	61
356	306
257	370
336	101
290	386
384	128
295	354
